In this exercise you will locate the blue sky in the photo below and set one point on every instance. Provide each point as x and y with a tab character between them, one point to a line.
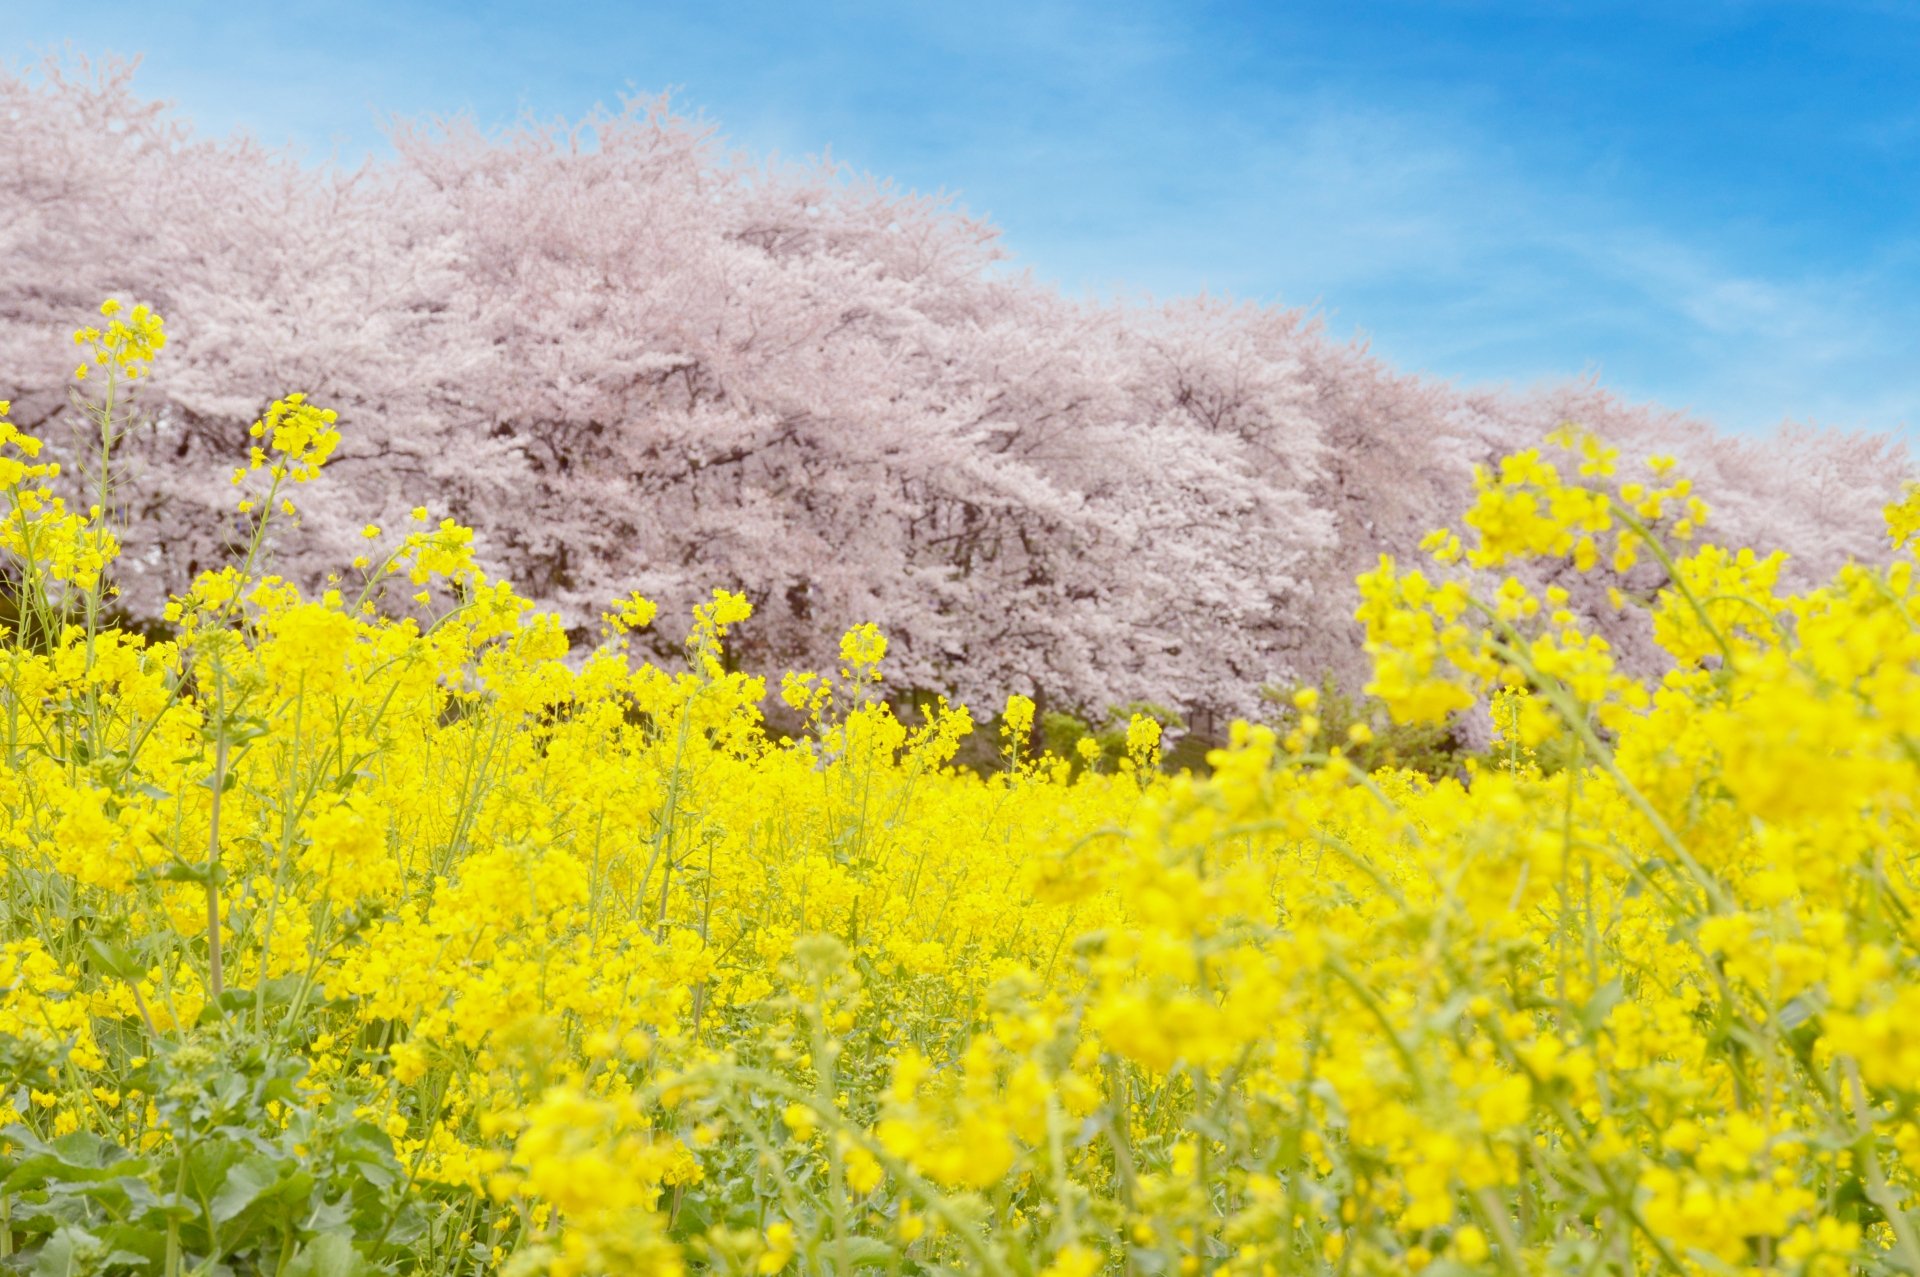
1710	204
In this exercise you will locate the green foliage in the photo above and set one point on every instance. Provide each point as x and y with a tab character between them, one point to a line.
1510	751
1434	749
1061	735
254	1175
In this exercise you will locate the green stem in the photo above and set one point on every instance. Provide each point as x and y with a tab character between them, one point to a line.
215	977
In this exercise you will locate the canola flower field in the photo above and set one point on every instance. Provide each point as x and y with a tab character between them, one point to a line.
338	944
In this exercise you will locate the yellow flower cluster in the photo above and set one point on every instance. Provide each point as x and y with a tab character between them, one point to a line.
628	985
126	347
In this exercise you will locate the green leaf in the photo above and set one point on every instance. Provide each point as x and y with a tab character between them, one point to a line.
112	1194
140	1195
85	1150
207	1167
115	961
241	731
281	990
1601	1004
181	871
70	1250
377	1175
164	1208
1801	1009
272	993
363	1141
79	1158
295	1188
243	1186
328	1216
133	1244
407	1225
328	1255
860	1250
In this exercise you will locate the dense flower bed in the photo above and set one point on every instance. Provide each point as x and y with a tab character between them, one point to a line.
336	942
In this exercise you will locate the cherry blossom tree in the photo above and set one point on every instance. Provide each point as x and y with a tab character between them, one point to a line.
634	360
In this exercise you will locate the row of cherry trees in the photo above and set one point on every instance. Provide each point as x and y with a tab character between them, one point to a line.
635	361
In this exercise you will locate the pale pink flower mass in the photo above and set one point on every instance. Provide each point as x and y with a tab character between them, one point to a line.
633	361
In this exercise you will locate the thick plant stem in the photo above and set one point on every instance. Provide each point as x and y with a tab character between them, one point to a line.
215	977
1878	1191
